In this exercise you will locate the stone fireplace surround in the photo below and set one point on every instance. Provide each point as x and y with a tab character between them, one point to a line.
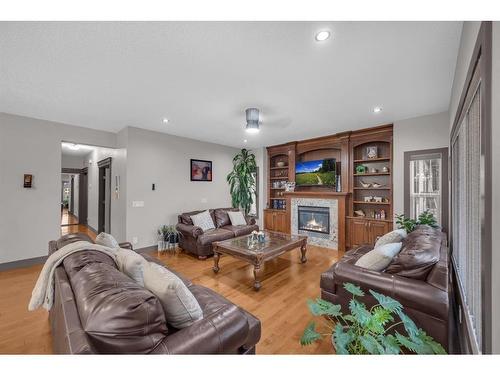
330	241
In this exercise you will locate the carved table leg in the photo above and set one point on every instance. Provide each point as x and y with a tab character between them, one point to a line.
257	273
216	262
303	258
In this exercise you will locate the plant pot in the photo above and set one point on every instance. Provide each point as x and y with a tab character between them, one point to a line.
174	238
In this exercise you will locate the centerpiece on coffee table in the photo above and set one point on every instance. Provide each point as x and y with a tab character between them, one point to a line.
257	251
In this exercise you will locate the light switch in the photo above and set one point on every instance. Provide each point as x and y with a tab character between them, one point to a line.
137	203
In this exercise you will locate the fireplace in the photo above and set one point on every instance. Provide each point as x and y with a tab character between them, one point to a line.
314	219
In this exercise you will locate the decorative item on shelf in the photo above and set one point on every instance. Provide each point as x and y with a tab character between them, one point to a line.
289	186
280	164
368	198
365	184
382	214
377	199
374	170
360	169
338	184
385	169
359	213
385	200
372	152
376	185
372	214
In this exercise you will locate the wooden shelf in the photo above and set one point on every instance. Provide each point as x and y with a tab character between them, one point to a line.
369	218
273	188
279	178
372	174
374	160
274	168
362	202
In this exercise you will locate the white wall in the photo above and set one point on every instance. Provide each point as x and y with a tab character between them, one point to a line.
261	160
30	218
76	194
414	134
164	160
72	161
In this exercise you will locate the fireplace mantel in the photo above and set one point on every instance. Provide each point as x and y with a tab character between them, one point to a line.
316	194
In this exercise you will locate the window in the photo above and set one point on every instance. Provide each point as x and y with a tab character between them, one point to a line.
426	186
471	201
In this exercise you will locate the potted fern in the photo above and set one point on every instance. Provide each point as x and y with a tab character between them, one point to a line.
368	331
425	218
242	181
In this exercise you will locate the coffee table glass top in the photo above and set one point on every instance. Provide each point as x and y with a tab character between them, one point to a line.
272	241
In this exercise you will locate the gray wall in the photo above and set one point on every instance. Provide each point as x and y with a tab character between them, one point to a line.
31	217
419	133
118	201
163	159
495	100
468	38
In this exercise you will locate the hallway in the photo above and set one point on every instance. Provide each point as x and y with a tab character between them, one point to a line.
68	218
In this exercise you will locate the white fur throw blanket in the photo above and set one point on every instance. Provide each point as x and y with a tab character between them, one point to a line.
43	293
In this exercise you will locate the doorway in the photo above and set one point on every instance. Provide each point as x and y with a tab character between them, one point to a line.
104	212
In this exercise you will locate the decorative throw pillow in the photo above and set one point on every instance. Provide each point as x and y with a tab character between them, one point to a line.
395	236
180	306
236	218
203	220
106	239
131	264
379	258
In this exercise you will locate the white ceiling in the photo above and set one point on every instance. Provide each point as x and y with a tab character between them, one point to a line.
202	75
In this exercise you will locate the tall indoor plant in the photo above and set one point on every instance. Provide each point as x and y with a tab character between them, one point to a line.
242	181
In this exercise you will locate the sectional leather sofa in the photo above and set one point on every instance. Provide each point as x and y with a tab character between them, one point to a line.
97	309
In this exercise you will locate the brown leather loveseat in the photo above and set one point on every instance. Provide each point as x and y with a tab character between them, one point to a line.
199	243
418	278
97	309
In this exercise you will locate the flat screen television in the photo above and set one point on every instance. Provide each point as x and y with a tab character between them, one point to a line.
315	172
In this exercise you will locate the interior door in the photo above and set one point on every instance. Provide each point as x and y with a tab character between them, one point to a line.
83	197
104	202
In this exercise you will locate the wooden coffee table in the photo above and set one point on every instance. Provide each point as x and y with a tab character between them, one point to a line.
256	253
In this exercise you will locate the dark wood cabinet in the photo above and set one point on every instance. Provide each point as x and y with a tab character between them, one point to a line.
276	220
366	231
377	229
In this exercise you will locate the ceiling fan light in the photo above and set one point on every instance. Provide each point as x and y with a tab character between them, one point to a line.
252	116
252	128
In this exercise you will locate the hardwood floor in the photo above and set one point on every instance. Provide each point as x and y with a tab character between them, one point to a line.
280	304
67	218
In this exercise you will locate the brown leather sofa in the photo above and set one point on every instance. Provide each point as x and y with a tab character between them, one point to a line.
418	278
199	243
97	309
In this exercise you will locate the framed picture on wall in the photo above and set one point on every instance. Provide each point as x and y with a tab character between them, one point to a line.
201	170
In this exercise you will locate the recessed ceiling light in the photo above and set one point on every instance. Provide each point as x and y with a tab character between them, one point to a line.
244	141
165	120
73	146
377	109
322	36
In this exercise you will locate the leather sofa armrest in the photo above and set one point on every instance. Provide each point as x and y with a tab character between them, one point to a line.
415	294
223	331
126	245
250	220
189	230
